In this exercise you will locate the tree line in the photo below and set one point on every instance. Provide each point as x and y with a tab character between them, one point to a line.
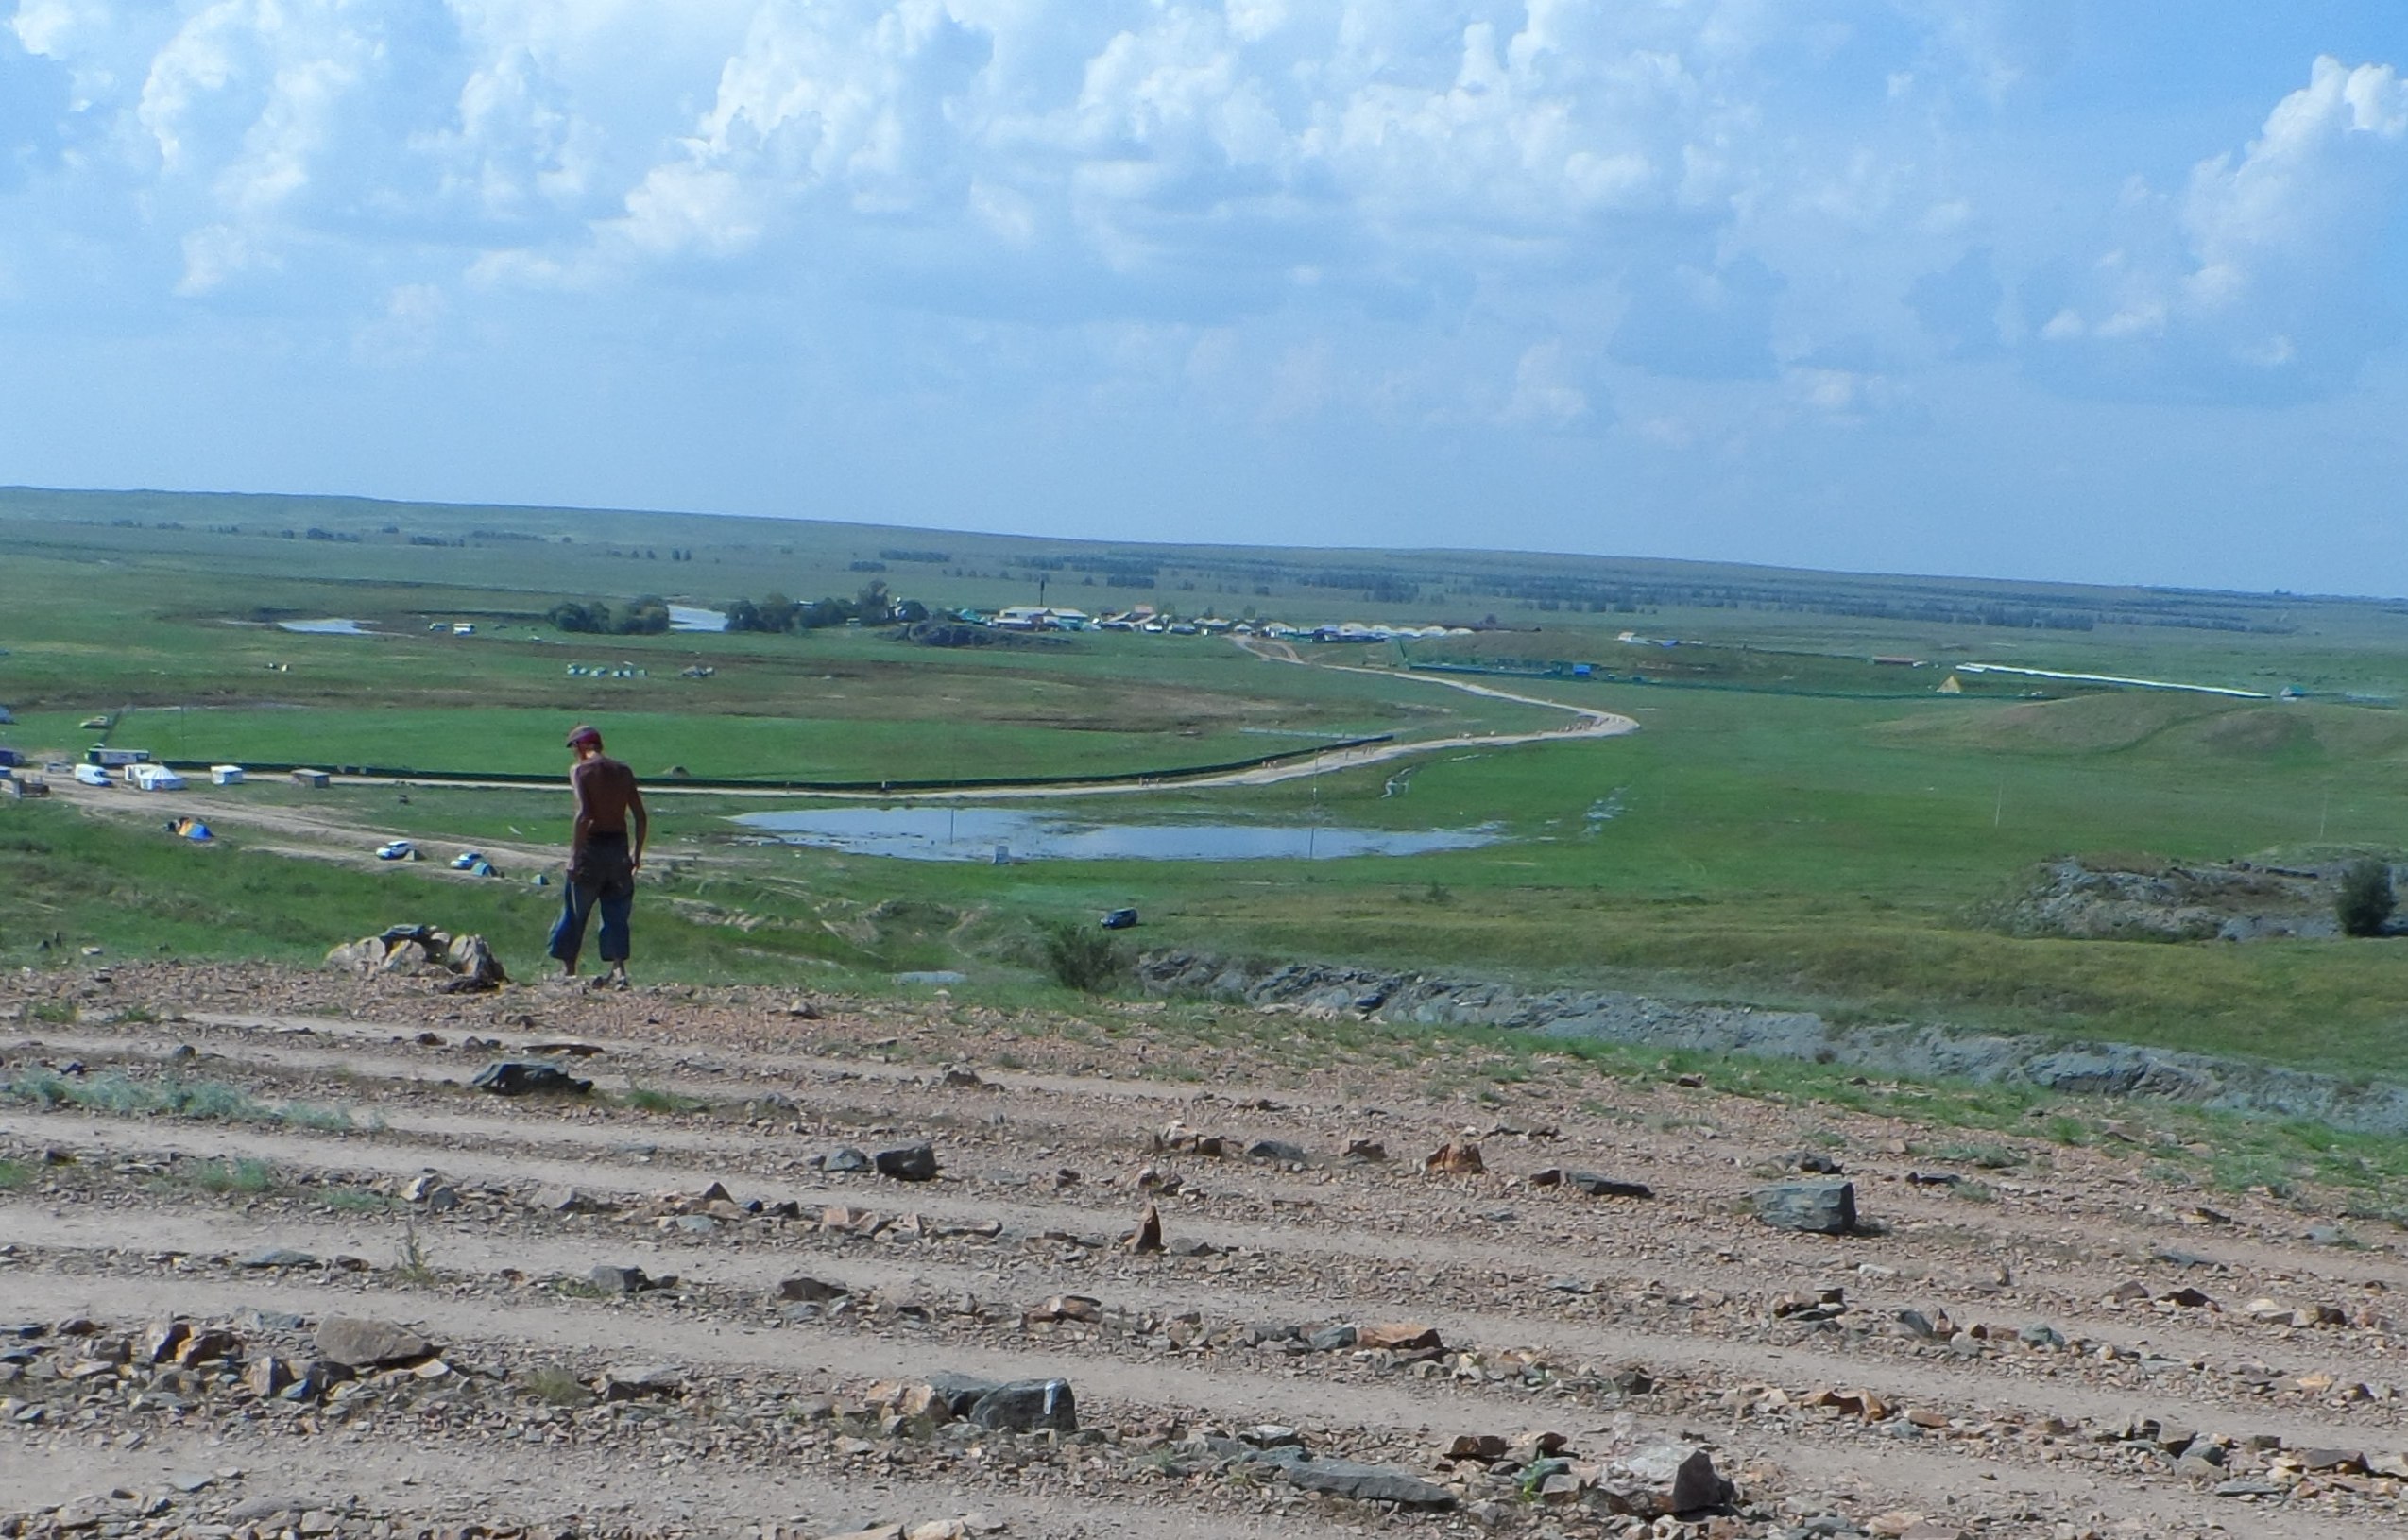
649	615
872	605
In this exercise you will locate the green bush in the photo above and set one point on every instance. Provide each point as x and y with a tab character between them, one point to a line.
2365	904
1079	958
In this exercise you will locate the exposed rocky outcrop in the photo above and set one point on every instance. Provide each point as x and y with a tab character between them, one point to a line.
1923	1050
2232	901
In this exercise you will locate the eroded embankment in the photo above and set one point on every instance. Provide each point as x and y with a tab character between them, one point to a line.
1921	1050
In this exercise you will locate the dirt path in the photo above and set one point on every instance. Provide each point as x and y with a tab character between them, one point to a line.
1541	1298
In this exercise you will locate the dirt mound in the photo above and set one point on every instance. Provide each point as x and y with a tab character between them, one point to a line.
2155	722
2100	723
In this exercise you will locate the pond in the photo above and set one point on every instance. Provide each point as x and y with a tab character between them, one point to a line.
326	628
970	833
694	618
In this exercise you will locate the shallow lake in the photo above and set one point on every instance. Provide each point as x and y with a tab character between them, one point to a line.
326	628
694	618
941	833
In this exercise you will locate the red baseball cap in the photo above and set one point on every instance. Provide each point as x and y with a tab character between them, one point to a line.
584	733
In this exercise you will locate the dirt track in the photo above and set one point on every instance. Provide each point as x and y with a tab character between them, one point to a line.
1546	1302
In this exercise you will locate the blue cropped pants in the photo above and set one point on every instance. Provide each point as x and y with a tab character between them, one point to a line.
602	880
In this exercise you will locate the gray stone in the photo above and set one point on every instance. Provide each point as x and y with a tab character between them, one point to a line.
2041	1334
280	1256
357	1343
907	1162
1332	1339
1279	1149
2249	1486
1026	1406
809	1289
638	1382
474	962
846	1162
517	1077
1598	1186
1814	1208
959	1393
620	1280
1351	1479
1666	1479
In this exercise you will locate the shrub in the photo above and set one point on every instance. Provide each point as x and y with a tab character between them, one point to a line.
2365	904
1082	959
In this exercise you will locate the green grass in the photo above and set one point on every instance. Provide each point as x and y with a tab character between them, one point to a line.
14	1175
1765	845
348	1200
246	1178
650	1099
172	1097
557	1385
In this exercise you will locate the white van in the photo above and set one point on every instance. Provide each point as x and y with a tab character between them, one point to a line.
91	775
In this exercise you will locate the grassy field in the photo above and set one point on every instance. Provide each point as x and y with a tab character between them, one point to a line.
1796	823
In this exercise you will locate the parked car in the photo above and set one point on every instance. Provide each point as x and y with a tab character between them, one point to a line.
396	850
91	775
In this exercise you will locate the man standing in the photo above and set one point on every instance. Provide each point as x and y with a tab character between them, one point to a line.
603	858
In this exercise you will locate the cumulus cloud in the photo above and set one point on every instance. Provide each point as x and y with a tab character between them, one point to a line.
1501	217
2262	278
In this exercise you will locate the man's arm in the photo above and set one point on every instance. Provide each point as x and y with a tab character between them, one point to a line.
584	824
640	824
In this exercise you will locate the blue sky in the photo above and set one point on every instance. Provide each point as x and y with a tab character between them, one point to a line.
2048	288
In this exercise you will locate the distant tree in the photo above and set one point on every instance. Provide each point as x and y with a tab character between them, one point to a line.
742	615
872	604
909	612
647	616
777	613
2366	901
569	615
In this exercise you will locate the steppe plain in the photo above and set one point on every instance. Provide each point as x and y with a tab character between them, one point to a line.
270	1263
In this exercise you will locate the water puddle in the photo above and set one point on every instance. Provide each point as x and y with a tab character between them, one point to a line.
941	833
691	618
1604	811
326	628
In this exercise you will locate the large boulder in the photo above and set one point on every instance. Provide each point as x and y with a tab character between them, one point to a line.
362	956
473	964
357	1343
1351	1479
1814	1208
519	1077
1027	1406
907	1163
1663	1478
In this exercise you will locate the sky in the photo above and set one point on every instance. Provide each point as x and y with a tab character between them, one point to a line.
2079	289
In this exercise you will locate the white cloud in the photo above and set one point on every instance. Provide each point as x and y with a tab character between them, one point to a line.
2259	280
